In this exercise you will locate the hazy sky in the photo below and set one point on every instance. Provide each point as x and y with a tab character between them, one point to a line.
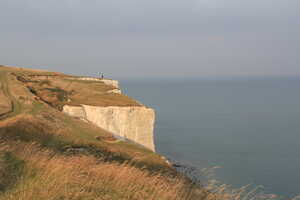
146	38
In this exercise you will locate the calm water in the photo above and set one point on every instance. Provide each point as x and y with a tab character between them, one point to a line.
249	127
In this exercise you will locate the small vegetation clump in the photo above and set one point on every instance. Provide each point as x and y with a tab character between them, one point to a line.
11	169
45	83
55	97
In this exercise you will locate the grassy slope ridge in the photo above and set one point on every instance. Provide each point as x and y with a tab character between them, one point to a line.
45	154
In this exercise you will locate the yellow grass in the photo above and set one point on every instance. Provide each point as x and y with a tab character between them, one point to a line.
52	176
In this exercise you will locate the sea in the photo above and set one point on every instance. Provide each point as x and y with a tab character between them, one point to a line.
248	128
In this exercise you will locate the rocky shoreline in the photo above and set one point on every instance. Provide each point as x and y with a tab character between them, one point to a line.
192	172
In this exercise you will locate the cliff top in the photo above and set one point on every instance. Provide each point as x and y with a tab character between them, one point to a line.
58	89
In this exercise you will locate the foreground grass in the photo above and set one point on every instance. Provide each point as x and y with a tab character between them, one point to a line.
35	173
49	175
45	159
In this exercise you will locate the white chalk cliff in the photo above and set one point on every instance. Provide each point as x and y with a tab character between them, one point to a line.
135	123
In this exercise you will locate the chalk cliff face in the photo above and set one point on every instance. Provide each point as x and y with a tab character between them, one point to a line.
113	83
135	123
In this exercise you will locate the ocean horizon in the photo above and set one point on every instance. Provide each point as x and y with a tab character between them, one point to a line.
249	126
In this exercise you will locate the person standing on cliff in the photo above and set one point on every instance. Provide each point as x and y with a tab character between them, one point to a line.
101	76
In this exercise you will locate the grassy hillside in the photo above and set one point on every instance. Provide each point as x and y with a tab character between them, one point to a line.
45	154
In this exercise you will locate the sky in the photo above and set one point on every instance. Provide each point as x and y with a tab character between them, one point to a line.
153	38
